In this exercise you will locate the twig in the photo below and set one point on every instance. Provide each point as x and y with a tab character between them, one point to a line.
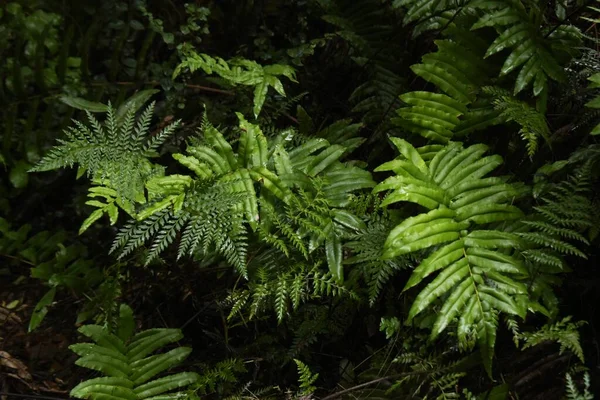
30	396
366	384
18	259
156	83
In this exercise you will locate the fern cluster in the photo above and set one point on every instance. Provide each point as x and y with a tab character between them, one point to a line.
213	207
283	290
114	155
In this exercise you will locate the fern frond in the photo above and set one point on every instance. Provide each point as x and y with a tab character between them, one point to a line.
114	157
367	251
533	123
240	72
306	378
131	373
563	332
532	49
476	279
573	392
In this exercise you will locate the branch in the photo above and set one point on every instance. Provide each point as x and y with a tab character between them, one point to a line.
30	396
370	383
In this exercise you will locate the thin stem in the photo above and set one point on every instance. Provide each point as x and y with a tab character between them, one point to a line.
30	396
370	383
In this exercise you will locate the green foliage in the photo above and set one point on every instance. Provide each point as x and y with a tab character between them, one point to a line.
114	155
573	392
564	332
223	372
534	51
561	218
317	260
477	279
306	378
213	207
61	267
126	362
274	288
390	326
240	72
595	102
533	123
367	251
458	70
429	14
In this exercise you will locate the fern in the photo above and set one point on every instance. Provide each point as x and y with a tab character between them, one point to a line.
430	14
214	207
595	102
367	251
282	290
114	155
563	332
239	71
558	221
125	360
573	392
477	279
306	378
366	25
223	372
533	123
458	70
534	51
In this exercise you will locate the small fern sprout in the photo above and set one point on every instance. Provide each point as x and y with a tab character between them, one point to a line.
306	378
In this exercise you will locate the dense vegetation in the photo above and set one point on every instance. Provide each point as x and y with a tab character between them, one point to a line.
301	199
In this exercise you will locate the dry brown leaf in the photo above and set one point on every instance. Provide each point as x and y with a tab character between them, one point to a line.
9	361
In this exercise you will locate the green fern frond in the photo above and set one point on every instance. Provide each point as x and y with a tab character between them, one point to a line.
223	372
533	123
477	279
306	378
573	392
240	72
458	72
563	332
130	372
367	251
115	157
532	50
429	14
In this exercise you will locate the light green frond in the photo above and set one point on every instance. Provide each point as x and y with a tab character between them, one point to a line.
127	371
